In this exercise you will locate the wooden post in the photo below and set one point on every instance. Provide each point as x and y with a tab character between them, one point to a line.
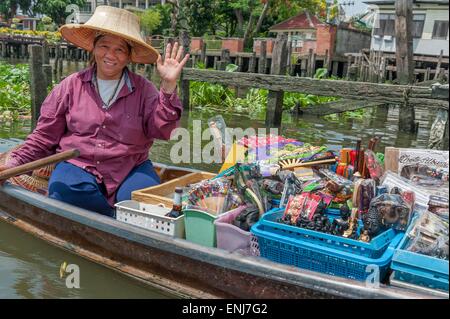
3	43
47	70
262	57
313	64
252	63
216	60
38	87
278	67
289	58
404	58
382	77
438	67
46	59
239	63
349	64
203	57
185	84
303	67
426	76
326	60
361	69
60	68
309	72
335	68
55	63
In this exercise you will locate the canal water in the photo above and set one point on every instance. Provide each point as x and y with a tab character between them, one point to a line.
29	268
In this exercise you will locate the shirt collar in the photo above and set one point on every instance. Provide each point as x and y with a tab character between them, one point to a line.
88	76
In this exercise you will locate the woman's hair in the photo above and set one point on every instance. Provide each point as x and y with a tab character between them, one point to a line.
91	54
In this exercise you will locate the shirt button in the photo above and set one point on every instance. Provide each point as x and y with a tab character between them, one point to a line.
98	162
100	144
104	126
173	113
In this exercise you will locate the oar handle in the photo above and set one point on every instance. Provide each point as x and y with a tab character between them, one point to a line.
28	167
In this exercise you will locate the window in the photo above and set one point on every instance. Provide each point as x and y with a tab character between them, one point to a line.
87	8
440	30
417	25
386	25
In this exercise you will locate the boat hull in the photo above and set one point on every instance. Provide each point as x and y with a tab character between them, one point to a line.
174	265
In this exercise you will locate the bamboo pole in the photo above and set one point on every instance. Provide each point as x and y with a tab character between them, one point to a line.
29	167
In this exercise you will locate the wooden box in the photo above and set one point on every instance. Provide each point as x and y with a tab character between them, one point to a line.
163	194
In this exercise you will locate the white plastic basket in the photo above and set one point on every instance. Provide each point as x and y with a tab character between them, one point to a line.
150	217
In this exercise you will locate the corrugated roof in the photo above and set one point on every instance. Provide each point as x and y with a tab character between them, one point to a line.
304	20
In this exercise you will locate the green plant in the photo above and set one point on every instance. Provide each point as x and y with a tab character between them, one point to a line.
15	98
150	20
321	73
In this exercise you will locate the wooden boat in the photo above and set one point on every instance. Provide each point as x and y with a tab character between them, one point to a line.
174	265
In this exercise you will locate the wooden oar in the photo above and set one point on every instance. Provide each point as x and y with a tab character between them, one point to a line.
28	167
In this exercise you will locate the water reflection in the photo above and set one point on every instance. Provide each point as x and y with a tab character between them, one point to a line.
29	268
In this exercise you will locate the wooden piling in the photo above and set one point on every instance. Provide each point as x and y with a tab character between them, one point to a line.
47	70
60	69
382	77
252	63
335	68
262	58
438	66
46	58
38	87
203	57
404	58
278	67
289	58
303	67
185	84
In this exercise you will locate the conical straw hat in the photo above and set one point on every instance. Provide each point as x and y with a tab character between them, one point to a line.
114	21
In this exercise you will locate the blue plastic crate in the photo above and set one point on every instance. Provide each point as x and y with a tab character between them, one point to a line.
374	249
419	269
292	250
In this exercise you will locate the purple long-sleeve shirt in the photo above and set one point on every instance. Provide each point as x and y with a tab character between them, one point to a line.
112	141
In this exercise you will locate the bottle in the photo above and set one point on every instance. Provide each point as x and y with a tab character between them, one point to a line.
177	206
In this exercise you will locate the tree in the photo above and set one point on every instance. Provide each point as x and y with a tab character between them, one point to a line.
150	20
164	12
8	8
199	17
56	9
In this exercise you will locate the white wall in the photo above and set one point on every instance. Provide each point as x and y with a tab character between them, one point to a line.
426	45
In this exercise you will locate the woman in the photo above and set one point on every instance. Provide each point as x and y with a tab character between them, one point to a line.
110	114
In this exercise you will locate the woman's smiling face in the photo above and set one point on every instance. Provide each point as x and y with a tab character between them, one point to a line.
111	55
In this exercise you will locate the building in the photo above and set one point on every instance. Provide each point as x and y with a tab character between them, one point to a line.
430	27
306	31
89	8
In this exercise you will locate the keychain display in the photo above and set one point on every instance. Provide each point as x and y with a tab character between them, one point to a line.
211	195
429	236
374	165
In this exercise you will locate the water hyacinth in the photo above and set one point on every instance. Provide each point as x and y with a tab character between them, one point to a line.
15	98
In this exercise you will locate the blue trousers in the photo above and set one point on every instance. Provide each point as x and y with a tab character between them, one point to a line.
73	185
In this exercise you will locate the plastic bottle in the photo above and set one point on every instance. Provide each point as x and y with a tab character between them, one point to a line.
177	206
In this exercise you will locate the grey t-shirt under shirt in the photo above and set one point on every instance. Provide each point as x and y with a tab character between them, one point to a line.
106	89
